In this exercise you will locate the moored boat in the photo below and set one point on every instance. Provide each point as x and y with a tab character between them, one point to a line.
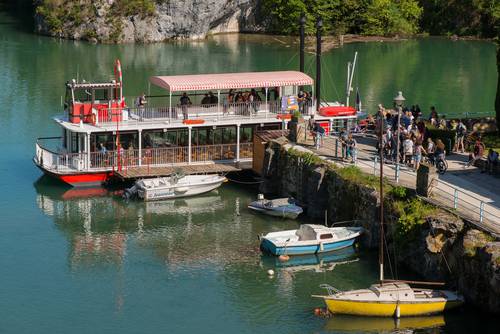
175	186
280	207
309	239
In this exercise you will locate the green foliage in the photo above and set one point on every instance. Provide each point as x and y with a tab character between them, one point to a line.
58	14
412	214
399	192
143	8
491	140
387	17
306	157
355	175
462	17
380	17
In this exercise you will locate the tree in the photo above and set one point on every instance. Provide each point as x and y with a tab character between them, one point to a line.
497	101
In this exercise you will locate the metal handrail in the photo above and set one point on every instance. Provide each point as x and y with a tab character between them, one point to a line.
485	212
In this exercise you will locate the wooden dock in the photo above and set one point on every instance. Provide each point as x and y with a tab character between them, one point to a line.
139	172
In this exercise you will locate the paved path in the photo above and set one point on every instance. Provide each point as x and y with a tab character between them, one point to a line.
474	195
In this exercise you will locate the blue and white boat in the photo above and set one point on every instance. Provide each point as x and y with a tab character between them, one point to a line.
309	239
280	207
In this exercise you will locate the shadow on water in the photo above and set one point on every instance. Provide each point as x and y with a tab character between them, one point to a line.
20	14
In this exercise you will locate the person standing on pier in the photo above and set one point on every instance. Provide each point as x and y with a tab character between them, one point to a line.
343	140
351	148
461	131
419	150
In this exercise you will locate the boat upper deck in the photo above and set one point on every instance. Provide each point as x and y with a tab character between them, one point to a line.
194	115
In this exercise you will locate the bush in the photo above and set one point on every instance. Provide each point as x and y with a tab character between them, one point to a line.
399	192
412	214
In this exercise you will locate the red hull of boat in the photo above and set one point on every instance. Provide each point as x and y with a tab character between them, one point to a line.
81	180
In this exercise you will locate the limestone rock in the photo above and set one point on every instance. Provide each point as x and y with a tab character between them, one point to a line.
190	19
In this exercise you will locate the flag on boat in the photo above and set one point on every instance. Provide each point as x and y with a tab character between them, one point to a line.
358	100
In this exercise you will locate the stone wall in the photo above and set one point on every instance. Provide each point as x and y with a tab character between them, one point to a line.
444	247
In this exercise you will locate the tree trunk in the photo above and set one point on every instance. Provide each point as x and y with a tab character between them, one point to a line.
497	100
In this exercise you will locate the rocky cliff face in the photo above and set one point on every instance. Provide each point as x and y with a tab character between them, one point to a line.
110	21
444	247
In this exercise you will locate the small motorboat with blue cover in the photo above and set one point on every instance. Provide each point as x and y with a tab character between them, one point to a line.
309	239
280	207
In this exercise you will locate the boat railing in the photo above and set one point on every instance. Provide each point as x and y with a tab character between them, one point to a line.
180	113
61	161
246	150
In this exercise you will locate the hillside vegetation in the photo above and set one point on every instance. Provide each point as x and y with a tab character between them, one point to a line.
479	18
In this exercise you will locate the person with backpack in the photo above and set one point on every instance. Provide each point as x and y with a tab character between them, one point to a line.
319	132
351	148
461	132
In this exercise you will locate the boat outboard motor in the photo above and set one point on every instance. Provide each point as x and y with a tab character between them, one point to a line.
130	192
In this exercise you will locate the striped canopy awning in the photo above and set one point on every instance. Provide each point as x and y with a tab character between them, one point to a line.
219	81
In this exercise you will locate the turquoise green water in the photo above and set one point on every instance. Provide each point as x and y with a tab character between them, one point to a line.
71	263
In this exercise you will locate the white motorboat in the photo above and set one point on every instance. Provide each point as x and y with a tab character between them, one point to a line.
174	186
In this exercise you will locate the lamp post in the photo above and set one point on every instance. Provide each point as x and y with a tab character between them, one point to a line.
398	101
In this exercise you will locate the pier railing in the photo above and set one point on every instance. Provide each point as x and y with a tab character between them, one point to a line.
465	203
179	113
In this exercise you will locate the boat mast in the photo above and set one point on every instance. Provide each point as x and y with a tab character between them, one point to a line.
381	157
350	75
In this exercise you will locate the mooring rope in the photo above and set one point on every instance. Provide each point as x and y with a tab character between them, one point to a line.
244	182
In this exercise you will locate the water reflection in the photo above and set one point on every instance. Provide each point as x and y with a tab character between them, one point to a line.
318	263
344	323
195	232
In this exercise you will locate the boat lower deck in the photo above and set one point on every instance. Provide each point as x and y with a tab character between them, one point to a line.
139	172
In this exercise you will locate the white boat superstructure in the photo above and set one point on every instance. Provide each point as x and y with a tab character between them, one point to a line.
161	188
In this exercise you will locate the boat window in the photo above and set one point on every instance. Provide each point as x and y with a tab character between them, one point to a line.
155	138
128	139
246	134
74	142
101	95
182	136
194	137
106	138
229	135
326	236
172	137
202	136
217	133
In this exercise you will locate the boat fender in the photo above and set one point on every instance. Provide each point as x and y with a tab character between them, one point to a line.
321	248
270	273
397	313
284	258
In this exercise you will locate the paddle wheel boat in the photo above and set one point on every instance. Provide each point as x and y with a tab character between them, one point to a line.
102	135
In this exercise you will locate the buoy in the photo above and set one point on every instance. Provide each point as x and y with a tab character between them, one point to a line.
284	258
317	311
270	272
